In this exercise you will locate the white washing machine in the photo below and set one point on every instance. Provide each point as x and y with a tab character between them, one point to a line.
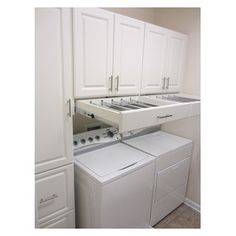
173	156
113	182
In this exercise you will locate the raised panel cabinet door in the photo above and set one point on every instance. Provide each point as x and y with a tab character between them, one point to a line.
93	51
155	47
175	62
128	55
54	190
53	88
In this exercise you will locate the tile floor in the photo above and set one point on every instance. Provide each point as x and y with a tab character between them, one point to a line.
181	217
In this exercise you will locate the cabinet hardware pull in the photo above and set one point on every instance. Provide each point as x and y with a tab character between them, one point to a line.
111	79
164	83
117	82
70	109
42	200
165	116
168	82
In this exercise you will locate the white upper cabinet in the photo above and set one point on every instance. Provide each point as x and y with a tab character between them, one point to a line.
117	55
164	57
128	54
155	47
53	88
175	62
105	66
93	52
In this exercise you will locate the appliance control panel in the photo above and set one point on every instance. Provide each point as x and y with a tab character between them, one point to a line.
95	137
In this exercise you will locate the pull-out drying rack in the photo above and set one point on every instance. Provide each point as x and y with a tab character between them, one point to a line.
130	113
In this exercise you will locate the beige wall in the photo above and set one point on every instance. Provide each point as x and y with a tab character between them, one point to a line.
186	20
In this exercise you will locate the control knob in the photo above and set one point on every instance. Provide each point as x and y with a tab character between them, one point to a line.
97	137
110	134
83	141
90	139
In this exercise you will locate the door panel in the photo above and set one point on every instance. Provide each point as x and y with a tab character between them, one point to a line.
154	59
167	204
93	46
175	62
128	53
54	192
172	178
52	125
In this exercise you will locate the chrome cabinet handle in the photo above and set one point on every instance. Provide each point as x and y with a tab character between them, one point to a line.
164	83
70	108
117	82
168	82
165	116
43	200
111	79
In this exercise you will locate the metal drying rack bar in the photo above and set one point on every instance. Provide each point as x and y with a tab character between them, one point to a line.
124	105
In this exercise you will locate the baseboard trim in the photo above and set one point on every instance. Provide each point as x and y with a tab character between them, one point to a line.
193	205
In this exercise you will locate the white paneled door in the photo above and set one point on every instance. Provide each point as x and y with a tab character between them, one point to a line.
128	54
54	191
175	62
53	89
93	52
155	47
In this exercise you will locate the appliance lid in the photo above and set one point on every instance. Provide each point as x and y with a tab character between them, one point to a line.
157	143
110	159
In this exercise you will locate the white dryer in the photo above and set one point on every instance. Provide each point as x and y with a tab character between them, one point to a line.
173	155
113	183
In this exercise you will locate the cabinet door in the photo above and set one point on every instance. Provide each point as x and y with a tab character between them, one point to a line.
155	47
53	89
93	51
54	192
128	54
175	62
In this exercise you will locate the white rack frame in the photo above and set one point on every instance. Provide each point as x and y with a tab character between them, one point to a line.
128	120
